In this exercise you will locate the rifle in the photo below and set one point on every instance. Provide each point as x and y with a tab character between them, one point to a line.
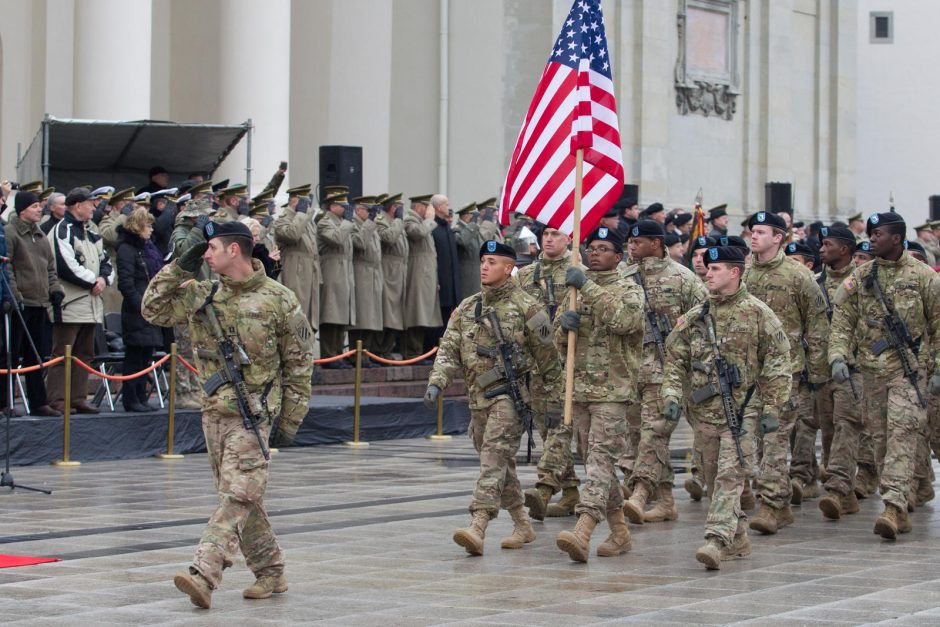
659	325
233	359
504	354
551	302
897	335
728	377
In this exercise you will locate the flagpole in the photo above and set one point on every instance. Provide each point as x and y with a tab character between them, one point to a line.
573	291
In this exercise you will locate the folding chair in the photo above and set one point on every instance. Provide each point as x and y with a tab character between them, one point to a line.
106	361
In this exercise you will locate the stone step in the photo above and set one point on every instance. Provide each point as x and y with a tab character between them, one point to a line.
398	389
381	374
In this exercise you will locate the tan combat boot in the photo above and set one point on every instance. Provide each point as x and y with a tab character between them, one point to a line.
796	491
831	505
634	506
665	508
471	538
924	493
694	488
536	499
565	505
265	586
625	489
522	531
710	553
765	521
888	524
904	523
850	503
740	547
866	483
577	542
748	501
784	516
619	539
811	490
196	586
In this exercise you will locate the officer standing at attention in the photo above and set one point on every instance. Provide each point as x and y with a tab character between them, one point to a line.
470	345
263	321
747	335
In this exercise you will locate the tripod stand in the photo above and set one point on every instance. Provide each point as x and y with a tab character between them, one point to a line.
6	477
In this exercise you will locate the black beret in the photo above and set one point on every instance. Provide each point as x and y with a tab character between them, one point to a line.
24	200
656	207
670	219
230	229
717	212
613	212
735	241
767	219
671	239
799	225
916	247
883	219
682	218
606	235
837	232
77	195
647	228
723	254
492	247
863	247
701	242
683	237
799	248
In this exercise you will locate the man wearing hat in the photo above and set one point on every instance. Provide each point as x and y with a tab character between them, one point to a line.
750	338
489	220
84	271
840	405
391	229
682	223
233	202
790	290
264	319
909	291
857	226
469	240
295	234
368	279
697	248
718	218
608	321
655	212
335	231
495	427
926	239
422	304
800	253
669	290
862	252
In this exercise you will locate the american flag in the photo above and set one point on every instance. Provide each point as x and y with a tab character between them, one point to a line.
573	108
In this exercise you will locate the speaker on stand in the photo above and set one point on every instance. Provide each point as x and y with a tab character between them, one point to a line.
341	165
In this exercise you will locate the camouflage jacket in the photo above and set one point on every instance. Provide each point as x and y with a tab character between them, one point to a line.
749	336
258	313
185	237
523	322
830	280
671	290
910	288
610	338
791	291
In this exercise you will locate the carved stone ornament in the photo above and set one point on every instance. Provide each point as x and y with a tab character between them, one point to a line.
706	99
706	66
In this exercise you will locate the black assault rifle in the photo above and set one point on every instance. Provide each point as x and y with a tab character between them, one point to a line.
658	324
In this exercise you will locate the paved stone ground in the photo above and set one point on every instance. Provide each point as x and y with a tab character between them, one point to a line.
368	540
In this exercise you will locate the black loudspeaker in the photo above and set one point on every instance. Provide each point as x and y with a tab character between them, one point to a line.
778	197
935	208
341	165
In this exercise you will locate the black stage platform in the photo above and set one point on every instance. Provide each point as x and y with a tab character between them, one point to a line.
119	435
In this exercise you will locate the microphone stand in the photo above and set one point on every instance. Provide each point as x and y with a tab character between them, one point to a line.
6	477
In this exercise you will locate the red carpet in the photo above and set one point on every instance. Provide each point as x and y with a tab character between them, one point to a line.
9	561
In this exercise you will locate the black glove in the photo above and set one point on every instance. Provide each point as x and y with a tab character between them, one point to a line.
191	260
570	320
56	298
488	215
244	207
374	211
431	396
768	424
400	212
284	435
553	419
575	277
672	411
349	212
201	223
475	218
266	221
303	205
128	208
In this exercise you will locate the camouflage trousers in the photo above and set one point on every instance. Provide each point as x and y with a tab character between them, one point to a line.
652	455
187	382
697	468
923	464
496	433
849	422
891	404
803	463
773	479
240	520
634	424
725	517
601	432
556	465
822	401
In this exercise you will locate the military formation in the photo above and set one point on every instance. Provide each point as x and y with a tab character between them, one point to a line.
766	343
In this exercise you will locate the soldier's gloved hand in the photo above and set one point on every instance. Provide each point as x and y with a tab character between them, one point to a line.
431	396
303	205
672	411
574	277
553	417
128	208
570	320
266	221
840	371
933	386
244	207
191	260
768	424
201	223
284	435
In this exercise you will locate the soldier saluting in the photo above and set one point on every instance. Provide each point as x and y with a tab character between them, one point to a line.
501	316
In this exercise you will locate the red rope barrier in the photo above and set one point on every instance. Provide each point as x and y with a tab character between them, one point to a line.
402	362
118	377
327	360
188	365
51	362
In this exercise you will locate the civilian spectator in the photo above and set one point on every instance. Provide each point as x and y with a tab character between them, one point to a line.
55	211
159	179
448	265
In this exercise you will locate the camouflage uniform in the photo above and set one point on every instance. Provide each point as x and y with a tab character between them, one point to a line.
671	290
607	357
751	337
545	281
265	318
790	290
914	291
495	427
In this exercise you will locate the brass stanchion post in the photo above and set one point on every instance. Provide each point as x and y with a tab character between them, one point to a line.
67	410
357	400
440	435
171	409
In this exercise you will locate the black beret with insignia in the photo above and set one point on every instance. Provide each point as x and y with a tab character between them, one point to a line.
605	234
647	228
656	207
883	219
863	247
492	247
701	242
671	239
231	229
682	218
915	247
724	254
767	219
799	248
735	241
841	233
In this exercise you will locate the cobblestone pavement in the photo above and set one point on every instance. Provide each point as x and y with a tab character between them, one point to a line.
368	540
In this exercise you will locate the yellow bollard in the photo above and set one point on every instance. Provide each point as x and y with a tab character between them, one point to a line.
171	409
440	435
355	443
67	410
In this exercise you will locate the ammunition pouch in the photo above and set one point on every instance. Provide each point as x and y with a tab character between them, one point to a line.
213	383
704	393
879	347
490	377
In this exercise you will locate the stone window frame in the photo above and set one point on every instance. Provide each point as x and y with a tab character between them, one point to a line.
872	38
707	93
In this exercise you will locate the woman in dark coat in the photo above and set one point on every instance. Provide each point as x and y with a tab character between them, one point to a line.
138	260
